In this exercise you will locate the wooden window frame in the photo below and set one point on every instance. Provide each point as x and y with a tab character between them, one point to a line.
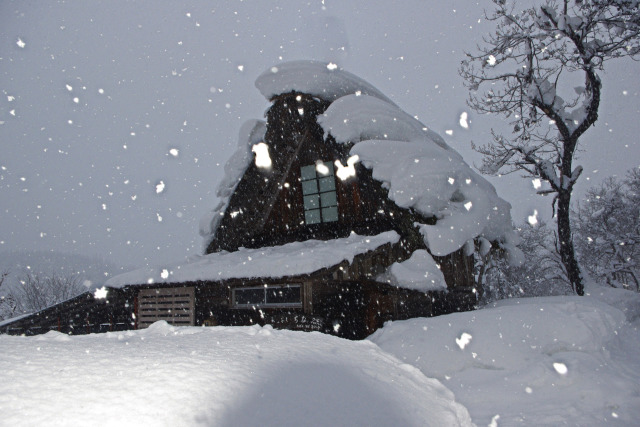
265	303
322	206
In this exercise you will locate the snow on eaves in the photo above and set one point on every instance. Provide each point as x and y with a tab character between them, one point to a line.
421	172
326	81
420	272
291	259
355	118
251	133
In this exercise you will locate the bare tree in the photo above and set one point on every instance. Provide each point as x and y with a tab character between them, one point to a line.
533	57
543	274
36	292
8	303
607	229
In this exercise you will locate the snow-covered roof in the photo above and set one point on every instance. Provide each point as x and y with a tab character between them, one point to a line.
291	259
415	163
324	80
421	172
14	319
251	133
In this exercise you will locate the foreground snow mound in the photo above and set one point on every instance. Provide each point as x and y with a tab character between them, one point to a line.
627	302
241	376
536	361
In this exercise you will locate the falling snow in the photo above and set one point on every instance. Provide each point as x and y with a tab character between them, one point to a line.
537	183
160	187
560	368
463	120
100	293
464	340
262	160
517	349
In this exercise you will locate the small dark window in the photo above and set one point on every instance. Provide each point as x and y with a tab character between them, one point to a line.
283	295
319	193
250	296
268	296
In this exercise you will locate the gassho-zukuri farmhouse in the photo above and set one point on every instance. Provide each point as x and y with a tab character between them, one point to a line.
336	214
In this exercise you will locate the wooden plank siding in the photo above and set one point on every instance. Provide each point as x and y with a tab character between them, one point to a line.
175	305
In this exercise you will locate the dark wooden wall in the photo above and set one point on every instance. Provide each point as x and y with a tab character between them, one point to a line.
80	315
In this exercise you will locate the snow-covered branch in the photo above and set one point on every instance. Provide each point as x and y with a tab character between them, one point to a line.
532	57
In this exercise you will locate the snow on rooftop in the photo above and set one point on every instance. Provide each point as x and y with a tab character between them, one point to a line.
321	79
415	163
251	132
290	259
355	118
421	172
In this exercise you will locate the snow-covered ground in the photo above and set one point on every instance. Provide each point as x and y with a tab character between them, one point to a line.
538	361
221	376
533	361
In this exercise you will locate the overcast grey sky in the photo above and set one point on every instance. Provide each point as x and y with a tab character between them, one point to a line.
99	96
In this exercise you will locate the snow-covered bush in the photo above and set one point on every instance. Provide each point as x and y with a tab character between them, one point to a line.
8	303
607	231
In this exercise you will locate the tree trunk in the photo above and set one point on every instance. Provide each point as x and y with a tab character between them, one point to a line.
480	280
567	254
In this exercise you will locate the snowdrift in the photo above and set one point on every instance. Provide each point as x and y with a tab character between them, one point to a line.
533	361
242	376
537	362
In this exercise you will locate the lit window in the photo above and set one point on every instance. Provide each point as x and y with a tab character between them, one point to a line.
319	193
268	296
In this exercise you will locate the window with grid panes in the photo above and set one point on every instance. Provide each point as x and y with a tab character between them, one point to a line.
319	193
268	296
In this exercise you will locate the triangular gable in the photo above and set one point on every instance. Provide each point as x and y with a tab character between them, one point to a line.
268	205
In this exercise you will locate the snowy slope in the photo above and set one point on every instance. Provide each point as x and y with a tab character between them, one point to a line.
533	361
